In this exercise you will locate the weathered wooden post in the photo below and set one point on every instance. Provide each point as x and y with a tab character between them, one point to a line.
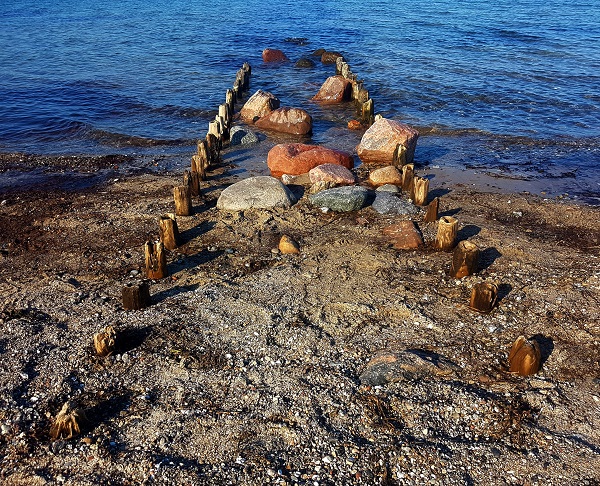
203	160
525	357
168	231
214	128
420	190
192	180
432	211
198	168
156	260
230	100
483	297
399	159
213	144
465	259
183	200
224	113
136	296
408	174
446	234
223	131
368	112
357	86
338	64
362	95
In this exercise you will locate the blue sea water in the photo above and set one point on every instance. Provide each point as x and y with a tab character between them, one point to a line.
509	88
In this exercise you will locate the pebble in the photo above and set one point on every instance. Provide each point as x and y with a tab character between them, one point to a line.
5	429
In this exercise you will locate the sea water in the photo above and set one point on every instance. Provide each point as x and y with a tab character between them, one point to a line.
510	89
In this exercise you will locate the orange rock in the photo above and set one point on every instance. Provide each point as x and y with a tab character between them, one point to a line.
299	158
288	246
354	125
335	89
286	120
405	235
379	142
386	175
273	55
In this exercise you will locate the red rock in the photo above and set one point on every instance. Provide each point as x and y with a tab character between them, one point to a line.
331	173
273	55
354	125
286	120
299	158
335	89
330	57
405	235
386	175
258	105
379	142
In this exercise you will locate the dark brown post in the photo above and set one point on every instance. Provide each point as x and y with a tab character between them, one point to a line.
525	357
432	211
203	161
156	260
168	231
230	100
363	95
483	297
199	169
420	190
465	260
136	296
213	144
446	234
408	174
183	200
368	112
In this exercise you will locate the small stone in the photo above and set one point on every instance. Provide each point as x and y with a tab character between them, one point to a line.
354	125
134	273
288	246
392	188
5	429
331	173
320	186
385	175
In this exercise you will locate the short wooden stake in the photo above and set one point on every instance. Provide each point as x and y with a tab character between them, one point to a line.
203	160
168	231
399	159
408	174
230	100
483	297
192	180
223	131
156	260
363	95
465	259
136	296
446	234
183	200
339	62
420	191
246	67
368	112
525	357
432	211
224	113
198	168
356	87
213	144
214	128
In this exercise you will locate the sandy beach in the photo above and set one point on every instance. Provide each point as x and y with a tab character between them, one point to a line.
254	367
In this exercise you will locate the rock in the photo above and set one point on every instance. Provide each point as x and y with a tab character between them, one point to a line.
318	52
392	188
385	175
274	55
355	125
330	57
404	235
242	136
300	179
345	198
258	105
288	246
388	203
286	120
299	158
331	173
262	192
320	186
305	62
335	89
409	364
379	142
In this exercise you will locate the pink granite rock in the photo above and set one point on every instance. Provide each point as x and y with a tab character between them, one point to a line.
379	142
299	158
258	105
273	55
386	175
331	173
335	89
286	120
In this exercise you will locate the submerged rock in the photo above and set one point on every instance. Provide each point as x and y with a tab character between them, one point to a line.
305	62
335	89
274	55
262	192
330	57
242	136
343	199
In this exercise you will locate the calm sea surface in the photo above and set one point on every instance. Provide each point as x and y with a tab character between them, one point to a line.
506	88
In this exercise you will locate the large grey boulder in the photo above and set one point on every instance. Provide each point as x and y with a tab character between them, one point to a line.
262	192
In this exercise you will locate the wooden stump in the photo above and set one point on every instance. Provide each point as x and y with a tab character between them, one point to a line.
156	260
368	111
213	144
223	130
183	200
483	297
224	113
203	160
192	180
525	357
136	296
446	234
214	128
246	67
198	167
339	62
399	156
230	100
357	86
362	96
420	191
168	231
408	174
465	260
432	211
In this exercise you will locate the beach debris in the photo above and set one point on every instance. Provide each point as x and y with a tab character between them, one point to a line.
446	233
182	196
287	245
68	422
105	341
432	211
465	259
483	297
525	357
156	260
420	190
135	296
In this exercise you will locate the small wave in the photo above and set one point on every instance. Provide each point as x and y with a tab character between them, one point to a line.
121	140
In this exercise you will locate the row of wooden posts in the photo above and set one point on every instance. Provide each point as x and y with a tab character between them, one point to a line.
137	296
359	93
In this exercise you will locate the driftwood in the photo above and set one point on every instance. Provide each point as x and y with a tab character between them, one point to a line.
432	211
156	260
168	231
525	357
446	234
136	296
420	190
483	297
182	196
465	260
